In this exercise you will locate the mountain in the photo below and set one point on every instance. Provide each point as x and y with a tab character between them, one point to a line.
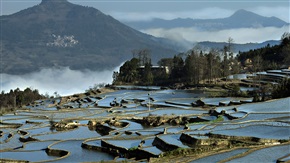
237	47
57	33
240	19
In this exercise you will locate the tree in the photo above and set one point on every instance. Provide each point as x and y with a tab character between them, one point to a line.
190	68
230	64
286	54
285	48
129	71
213	65
115	77
257	63
257	67
166	62
282	90
147	75
235	66
177	69
225	64
230	47
210	60
56	95
201	67
285	39
162	77
143	56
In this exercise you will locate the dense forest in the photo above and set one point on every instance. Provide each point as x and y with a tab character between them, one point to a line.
17	98
197	66
192	67
266	58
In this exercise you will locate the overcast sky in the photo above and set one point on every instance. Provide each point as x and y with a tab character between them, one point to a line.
130	10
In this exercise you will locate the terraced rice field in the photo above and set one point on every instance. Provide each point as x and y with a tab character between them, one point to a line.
145	124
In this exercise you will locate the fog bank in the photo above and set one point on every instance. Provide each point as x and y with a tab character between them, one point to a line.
63	80
241	35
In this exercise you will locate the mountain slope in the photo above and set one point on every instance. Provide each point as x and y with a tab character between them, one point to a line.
59	33
240	19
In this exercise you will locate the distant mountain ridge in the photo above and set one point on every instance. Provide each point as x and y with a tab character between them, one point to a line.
59	33
237	47
240	19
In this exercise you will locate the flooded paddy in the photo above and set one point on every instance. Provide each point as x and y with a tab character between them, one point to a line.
271	154
221	156
79	154
81	132
258	131
145	123
32	156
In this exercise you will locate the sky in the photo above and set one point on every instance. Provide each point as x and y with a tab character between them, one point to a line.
130	10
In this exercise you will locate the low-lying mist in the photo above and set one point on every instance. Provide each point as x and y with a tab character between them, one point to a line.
63	80
240	35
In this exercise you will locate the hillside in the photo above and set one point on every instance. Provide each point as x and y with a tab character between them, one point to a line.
59	33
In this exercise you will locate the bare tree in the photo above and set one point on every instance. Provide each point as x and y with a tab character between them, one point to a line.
143	55
230	47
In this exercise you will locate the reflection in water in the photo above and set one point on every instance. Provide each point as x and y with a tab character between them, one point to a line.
261	120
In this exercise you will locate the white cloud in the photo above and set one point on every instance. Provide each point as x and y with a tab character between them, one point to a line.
242	35
62	80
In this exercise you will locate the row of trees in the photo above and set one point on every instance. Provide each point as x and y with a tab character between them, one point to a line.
198	66
191	67
17	98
